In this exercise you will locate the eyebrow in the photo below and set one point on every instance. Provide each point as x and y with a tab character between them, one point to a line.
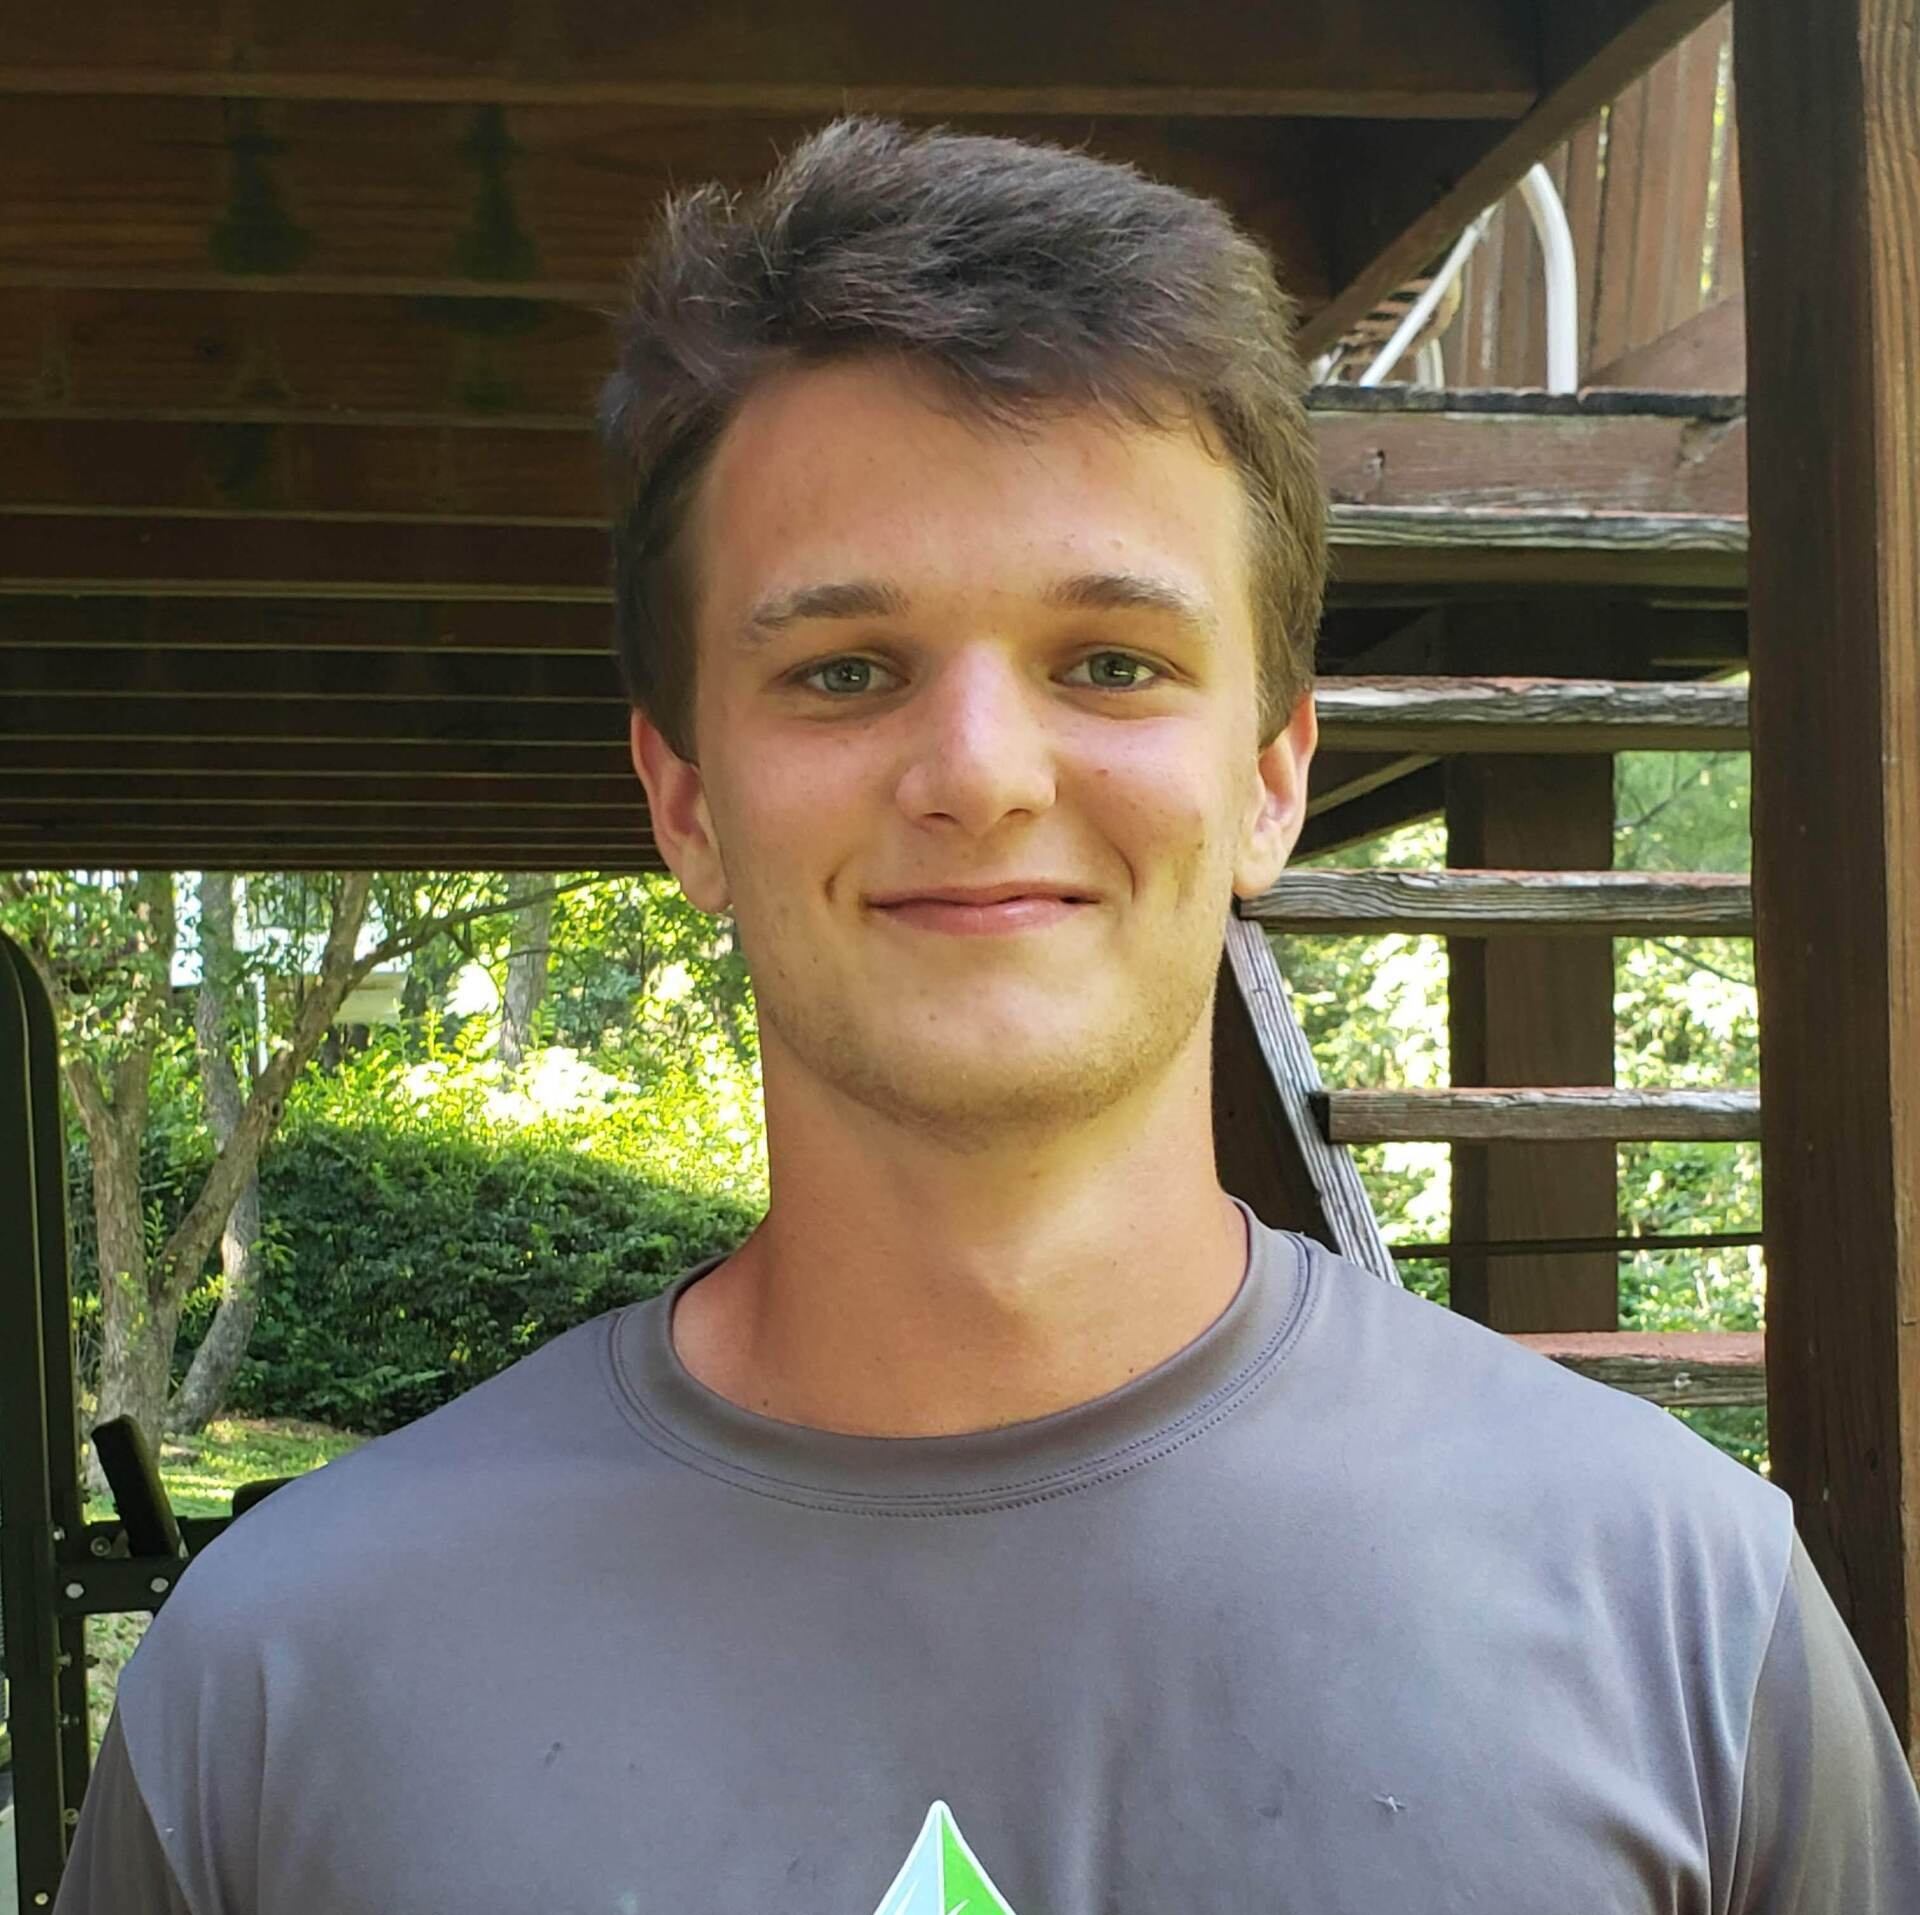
881	598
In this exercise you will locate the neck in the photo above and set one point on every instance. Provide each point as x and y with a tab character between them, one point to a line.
899	1288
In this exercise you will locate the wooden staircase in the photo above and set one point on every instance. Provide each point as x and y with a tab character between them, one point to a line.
1427	720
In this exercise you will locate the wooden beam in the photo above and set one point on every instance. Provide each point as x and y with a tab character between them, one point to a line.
335	853
228	356
1410	191
1830	159
285	628
1338	778
1707	353
1618	904
528	201
1531	1010
60	736
1420	795
1270	1148
109	673
154	553
1558	1115
93	797
1533	459
1682	1369
582	724
811	57
1529	715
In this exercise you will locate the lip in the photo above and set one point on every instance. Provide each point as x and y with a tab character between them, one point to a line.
1021	911
978	894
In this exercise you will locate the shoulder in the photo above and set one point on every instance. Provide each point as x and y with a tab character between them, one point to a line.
1510	1437
455	1483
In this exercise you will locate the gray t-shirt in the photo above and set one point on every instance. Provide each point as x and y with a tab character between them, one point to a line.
1349	1606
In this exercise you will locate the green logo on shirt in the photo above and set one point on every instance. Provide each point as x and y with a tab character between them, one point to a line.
941	1875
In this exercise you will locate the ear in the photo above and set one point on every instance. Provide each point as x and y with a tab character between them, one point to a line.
677	809
1279	808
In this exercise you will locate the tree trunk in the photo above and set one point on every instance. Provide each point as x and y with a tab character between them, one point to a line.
136	1336
526	968
216	1023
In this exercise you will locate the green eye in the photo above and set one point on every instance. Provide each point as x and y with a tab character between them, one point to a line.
1134	671
841	675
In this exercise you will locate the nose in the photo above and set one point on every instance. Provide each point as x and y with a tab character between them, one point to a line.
981	749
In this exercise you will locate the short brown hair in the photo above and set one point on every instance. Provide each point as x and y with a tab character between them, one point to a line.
1028	274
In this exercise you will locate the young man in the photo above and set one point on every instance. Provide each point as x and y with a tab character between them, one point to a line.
1013	1522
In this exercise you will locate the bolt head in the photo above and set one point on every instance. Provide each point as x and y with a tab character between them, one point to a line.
76	1590
160	1585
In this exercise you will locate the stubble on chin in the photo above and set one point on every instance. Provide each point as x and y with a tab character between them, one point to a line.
961	1088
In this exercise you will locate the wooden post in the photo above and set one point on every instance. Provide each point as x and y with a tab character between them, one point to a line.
1830	153
1532	1011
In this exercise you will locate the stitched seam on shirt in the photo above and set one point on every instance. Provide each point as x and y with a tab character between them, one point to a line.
1214	1408
1723	1889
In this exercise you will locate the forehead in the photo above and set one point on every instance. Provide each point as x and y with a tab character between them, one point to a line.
868	468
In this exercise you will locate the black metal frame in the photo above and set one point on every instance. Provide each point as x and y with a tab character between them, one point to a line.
56	1569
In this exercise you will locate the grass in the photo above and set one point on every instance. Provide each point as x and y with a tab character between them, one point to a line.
201	1473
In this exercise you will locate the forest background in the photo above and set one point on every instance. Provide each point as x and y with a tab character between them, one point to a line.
355	1144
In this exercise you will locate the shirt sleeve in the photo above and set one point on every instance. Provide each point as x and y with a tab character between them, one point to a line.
116	1865
1830	1817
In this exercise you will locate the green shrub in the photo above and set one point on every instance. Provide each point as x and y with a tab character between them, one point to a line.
416	1242
414	1263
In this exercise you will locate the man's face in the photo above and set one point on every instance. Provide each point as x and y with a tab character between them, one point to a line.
936	656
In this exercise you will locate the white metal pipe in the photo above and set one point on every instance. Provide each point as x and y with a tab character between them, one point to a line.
1422	309
1556	249
1433	368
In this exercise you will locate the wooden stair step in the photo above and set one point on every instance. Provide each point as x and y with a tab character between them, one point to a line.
1678	1368
1442	715
1439	545
1560	1114
1508	903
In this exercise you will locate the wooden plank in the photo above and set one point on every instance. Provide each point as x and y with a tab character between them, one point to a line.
1707	353
1432	546
1682	1369
541	202
308	558
229	356
218	814
113	791
304	469
107	674
1582	206
1509	903
1830	148
1270	1148
1389	223
282	627
1556	1115
1697	63
1655	464
1529	715
52	736
1662	143
1532	1011
336	853
583	724
1475	59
